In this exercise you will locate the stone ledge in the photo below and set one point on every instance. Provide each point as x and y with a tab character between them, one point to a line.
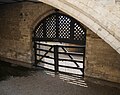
16	62
102	82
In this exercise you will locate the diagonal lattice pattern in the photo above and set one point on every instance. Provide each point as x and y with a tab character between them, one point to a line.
64	27
79	34
51	27
61	28
39	31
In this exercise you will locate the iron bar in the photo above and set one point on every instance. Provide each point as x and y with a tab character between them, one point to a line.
71	67
45	62
70	57
46	53
45	50
68	53
45	56
56	57
71	60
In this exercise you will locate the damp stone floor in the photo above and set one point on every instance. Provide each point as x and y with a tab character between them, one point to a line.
16	80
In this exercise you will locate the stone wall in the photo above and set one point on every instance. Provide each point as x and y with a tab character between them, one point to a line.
17	23
102	61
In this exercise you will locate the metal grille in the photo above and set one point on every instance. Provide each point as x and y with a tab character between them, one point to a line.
79	34
64	27
39	31
61	28
51	27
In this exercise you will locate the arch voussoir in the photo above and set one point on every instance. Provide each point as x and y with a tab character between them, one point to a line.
84	14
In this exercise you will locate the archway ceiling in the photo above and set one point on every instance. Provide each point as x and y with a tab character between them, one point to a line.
15	1
103	28
9	1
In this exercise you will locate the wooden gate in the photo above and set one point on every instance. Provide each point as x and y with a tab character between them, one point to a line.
59	44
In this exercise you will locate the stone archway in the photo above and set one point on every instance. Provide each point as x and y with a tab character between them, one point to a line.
95	16
94	21
59	44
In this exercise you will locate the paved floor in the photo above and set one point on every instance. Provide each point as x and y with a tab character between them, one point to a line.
47	83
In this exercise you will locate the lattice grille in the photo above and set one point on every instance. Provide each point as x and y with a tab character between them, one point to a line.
59	27
79	34
64	27
51	27
39	31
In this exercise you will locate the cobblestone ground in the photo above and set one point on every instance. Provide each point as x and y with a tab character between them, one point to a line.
39	82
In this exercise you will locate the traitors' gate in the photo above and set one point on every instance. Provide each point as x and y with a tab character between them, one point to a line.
59	44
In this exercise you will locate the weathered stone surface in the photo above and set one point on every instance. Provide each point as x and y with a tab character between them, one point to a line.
101	60
16	28
19	20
